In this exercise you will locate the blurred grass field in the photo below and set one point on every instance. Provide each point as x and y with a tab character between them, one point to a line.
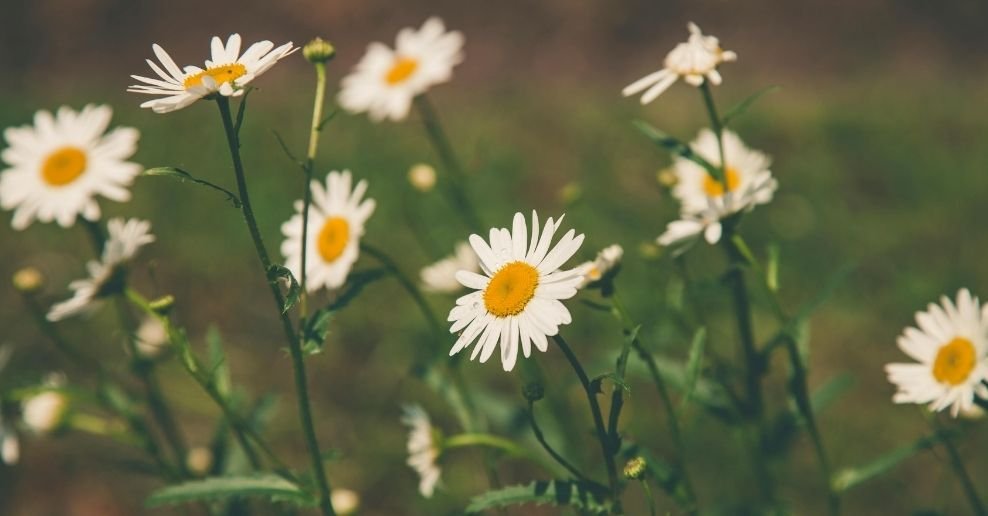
885	174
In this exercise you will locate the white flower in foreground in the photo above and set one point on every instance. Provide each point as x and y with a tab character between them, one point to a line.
60	164
385	81
423	448
606	260
10	447
517	298
227	72
695	61
441	276
124	239
336	223
950	346
45	412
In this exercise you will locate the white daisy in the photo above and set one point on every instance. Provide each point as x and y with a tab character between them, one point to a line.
517	298
440	277
385	81
124	239
695	61
690	227
607	259
336	223
950	346
226	72
423	448
60	164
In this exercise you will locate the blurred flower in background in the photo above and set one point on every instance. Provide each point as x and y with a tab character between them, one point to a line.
440	277
423	448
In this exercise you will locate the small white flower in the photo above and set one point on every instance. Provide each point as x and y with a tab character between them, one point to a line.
422	177
606	260
440	277
685	231
385	81
695	61
423	448
45	412
60	164
228	72
10	448
345	501
950	346
152	338
517	298
336	223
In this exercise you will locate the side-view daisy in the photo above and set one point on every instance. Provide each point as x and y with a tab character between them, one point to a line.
385	81
607	259
423	448
336	224
60	164
950	346
440	277
227	72
687	229
695	60
517	298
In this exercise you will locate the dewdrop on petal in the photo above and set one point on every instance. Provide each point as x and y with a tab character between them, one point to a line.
45	412
28	280
345	501
422	177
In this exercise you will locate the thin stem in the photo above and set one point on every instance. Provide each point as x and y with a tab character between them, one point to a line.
310	157
598	420
498	443
649	497
958	466
410	287
294	346
540	437
718	128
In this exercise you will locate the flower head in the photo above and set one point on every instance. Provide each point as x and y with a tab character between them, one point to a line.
441	276
46	411
60	164
336	224
423	448
695	60
949	345
227	72
517	298
385	81
607	259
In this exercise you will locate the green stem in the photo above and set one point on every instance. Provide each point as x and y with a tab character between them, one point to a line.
718	128
497	443
310	157
958	466
540	437
294	346
649	497
413	290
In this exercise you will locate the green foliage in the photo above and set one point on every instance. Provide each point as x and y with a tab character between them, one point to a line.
560	493
741	107
694	364
852	477
270	486
184	176
674	146
276	272
316	327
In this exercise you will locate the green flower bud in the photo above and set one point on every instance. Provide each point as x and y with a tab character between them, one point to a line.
318	51
163	304
533	391
635	469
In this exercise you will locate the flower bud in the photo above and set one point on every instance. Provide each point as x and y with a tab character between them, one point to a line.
533	391
163	304
345	501
635	469
28	280
318	51
422	177
46	412
199	460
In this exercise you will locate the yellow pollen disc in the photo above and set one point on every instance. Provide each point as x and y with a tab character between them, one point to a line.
954	361
714	188
511	289
333	237
401	70
220	74
63	166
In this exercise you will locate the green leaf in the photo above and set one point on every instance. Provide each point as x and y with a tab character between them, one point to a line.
184	176
218	366
241	112
618	381
555	492
213	488
316	327
315	330
694	364
276	272
741	107
852	477
827	393
326	120
675	146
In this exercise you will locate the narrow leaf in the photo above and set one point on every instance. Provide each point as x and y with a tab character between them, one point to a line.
556	492
675	146
294	291
284	148
618	381
213	488
694	364
327	119
741	107
241	112
219	368
184	176
852	477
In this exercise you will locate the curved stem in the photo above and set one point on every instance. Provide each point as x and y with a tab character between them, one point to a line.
549	449
409	286
958	466
497	443
310	157
649	497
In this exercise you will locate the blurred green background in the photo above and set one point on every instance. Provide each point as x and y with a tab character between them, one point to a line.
876	139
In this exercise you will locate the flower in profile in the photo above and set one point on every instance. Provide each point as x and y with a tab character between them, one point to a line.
949	346
695	61
10	447
683	232
440	277
423	448
517	298
385	81
227	72
106	275
60	164
605	262
336	223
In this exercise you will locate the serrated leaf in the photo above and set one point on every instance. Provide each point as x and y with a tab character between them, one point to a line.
555	492
741	107
276	272
184	176
694	364
675	146
214	488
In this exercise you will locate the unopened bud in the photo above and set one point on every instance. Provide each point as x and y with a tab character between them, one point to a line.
571	193
667	178
318	51
345	501
635	468
162	305
199	460
28	280
152	338
422	177
533	391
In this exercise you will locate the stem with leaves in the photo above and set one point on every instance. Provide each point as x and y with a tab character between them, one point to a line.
310	157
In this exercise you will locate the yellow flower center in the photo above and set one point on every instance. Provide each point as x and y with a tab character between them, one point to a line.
954	361
715	188
220	74
333	237
511	289
401	70
63	166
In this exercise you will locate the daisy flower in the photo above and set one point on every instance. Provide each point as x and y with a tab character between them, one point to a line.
695	61
227	72
517	298
59	165
949	344
336	223
385	81
690	227
423	448
440	277
606	260
124	239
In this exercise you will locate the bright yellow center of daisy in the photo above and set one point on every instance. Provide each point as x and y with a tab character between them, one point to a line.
220	74
333	237
511	289
401	70
954	361
63	166
715	188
